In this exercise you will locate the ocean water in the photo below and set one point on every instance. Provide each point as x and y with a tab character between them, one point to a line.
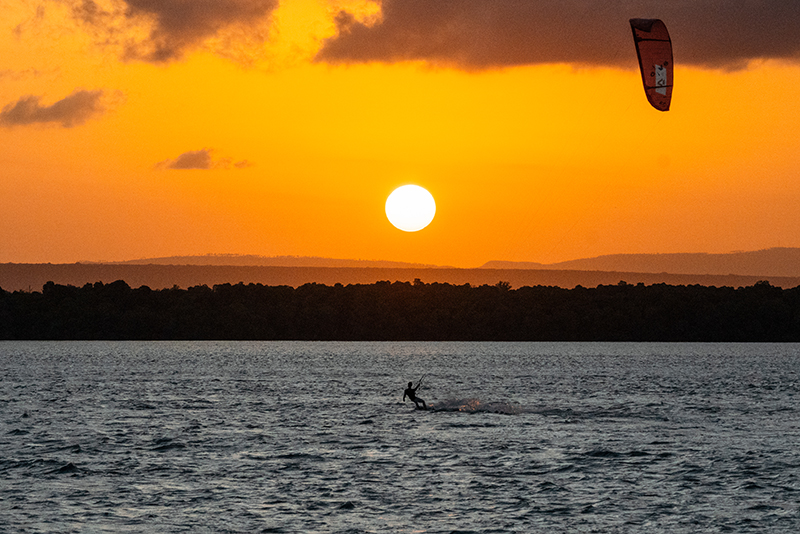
313	437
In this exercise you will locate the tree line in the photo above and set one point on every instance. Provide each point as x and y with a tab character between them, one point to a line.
403	311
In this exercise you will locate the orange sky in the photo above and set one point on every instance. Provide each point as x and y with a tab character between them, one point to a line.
535	160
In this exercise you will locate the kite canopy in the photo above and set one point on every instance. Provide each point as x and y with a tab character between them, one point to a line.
654	49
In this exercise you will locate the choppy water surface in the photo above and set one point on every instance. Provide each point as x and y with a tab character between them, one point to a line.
312	437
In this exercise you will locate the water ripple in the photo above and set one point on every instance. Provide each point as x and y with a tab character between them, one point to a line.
313	437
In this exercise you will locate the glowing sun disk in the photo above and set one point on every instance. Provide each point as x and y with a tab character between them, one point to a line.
410	208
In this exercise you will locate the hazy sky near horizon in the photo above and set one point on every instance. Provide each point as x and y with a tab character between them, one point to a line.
148	128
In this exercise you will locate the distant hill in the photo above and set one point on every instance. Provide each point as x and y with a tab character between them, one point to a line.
779	266
251	260
768	262
31	277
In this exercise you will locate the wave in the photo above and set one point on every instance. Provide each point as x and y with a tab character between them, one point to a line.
473	405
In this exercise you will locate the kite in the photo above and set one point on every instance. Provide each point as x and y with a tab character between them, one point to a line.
654	49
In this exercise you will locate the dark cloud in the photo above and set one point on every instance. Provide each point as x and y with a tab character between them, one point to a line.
243	164
174	26
201	159
482	34
70	111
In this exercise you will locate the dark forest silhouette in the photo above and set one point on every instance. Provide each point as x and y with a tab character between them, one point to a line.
404	311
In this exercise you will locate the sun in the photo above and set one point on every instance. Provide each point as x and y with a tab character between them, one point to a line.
410	208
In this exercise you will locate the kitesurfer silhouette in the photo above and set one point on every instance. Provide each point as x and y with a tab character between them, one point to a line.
411	393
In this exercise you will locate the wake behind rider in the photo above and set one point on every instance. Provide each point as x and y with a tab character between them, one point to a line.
411	393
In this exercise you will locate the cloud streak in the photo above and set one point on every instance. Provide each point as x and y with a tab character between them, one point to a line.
173	27
70	111
201	160
486	34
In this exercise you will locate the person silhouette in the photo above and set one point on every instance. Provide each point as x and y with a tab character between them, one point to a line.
411	393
